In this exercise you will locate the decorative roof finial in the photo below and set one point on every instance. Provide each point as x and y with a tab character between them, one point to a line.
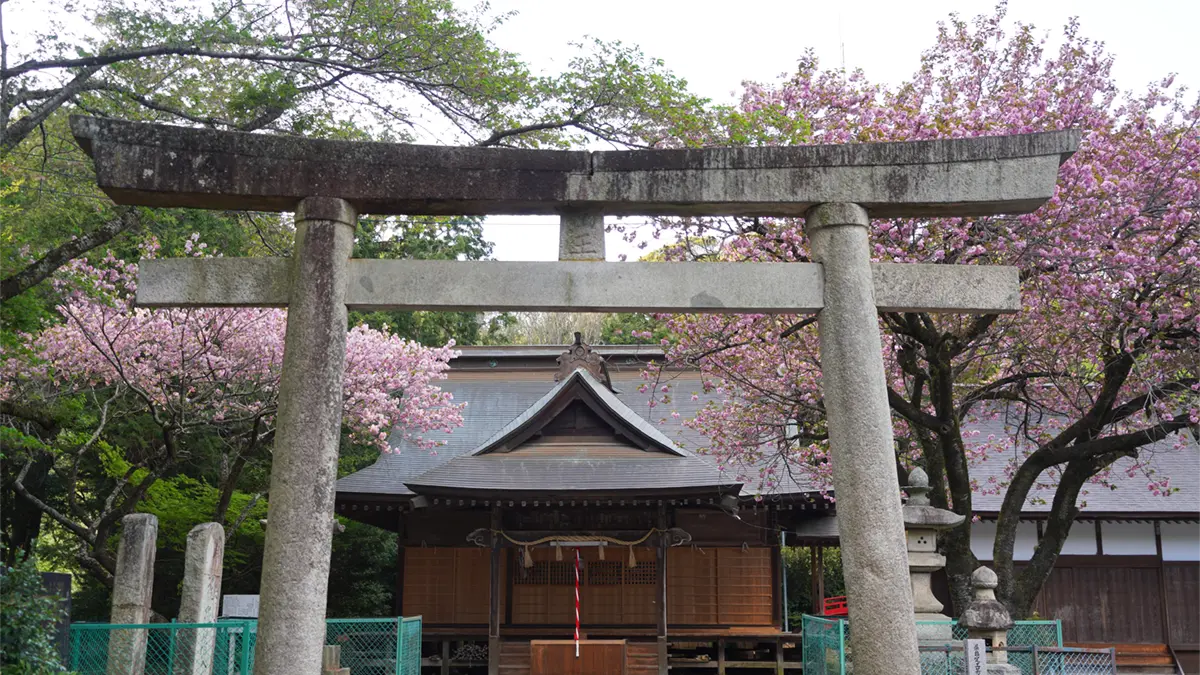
580	355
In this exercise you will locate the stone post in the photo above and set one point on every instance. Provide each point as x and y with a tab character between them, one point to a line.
581	236
295	576
883	638
987	618
133	585
922	523
201	601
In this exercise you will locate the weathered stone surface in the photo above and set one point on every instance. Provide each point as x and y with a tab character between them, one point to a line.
930	518
496	285
133	585
201	599
157	165
768	288
581	236
922	523
295	577
884	639
985	613
967	289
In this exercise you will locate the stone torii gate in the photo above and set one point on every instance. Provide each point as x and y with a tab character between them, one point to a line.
328	183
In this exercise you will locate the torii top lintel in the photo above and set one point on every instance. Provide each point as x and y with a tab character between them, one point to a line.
170	166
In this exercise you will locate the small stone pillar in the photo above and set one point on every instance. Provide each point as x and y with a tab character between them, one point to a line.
201	598
133	584
922	522
581	236
987	618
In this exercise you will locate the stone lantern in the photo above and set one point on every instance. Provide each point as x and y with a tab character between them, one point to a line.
922	523
987	618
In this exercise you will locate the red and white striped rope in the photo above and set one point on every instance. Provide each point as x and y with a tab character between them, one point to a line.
577	603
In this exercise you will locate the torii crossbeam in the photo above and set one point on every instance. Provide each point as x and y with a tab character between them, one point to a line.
328	183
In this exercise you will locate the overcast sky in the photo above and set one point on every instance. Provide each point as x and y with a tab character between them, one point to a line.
717	45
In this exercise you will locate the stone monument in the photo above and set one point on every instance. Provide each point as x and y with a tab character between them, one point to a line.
922	522
837	189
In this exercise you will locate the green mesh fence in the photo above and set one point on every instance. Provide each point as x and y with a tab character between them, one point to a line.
410	646
824	645
369	647
830	639
949	660
942	662
163	648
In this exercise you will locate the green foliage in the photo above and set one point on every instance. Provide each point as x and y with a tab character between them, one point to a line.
797	562
630	329
362	573
26	615
426	238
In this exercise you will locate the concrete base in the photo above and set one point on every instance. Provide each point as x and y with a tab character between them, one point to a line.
1002	669
934	633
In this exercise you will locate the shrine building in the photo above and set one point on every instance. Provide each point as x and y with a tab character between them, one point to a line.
558	453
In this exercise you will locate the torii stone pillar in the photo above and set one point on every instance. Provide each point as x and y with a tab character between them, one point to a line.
836	187
300	520
133	585
860	440
203	561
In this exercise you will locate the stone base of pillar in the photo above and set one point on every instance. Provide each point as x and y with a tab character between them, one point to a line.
938	632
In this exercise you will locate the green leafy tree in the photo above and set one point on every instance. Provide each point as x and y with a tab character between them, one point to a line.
388	69
26	613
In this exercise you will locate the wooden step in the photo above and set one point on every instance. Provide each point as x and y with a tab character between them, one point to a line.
1134	655
1163	661
1124	648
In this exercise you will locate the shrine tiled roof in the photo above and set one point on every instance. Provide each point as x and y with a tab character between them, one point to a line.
499	402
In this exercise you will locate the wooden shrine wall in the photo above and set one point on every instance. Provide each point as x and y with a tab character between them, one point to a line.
705	587
448	585
1181	579
1107	603
721	586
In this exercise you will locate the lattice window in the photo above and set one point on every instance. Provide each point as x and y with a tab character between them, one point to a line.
646	573
604	573
543	573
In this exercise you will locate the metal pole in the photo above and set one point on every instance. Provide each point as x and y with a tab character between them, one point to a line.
244	662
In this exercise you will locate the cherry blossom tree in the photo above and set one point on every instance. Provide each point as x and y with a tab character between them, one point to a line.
1100	364
203	377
